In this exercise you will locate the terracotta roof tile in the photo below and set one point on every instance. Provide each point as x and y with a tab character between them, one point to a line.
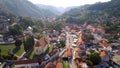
59	65
28	61
68	52
41	42
50	65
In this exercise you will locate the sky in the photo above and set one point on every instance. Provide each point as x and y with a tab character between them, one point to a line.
66	3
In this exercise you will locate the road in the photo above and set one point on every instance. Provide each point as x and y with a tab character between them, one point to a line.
69	42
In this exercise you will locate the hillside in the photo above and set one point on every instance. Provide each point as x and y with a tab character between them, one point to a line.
50	8
96	13
24	8
56	10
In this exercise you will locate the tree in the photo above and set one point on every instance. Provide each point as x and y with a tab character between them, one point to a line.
18	43
28	43
15	30
62	44
95	58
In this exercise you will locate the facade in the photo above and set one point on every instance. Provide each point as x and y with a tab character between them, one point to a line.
41	46
3	27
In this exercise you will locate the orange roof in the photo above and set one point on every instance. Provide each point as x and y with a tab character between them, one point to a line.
50	65
68	51
102	53
41	42
76	54
80	40
104	43
77	49
59	65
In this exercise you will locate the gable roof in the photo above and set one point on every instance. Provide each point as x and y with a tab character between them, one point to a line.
50	65
59	65
29	61
41	42
68	51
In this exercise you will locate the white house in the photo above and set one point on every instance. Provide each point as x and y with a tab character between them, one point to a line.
41	46
1	38
28	31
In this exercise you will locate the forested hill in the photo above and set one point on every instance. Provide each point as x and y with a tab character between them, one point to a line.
96	13
24	8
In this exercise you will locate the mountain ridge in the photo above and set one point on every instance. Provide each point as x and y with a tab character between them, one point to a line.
99	13
24	8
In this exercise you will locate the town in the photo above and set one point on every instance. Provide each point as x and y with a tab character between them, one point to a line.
36	35
75	46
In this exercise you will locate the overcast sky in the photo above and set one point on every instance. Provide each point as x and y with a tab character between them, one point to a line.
66	3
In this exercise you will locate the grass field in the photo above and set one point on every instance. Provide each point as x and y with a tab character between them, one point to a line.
20	51
64	64
50	48
5	49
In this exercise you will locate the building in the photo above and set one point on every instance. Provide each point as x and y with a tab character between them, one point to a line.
30	63
41	46
3	26
1	38
50	65
28	31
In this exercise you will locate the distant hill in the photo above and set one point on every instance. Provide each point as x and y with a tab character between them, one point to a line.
50	8
24	8
96	13
56	10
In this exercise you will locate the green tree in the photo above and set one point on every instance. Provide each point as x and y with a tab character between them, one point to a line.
62	43
95	58
28	43
35	28
18	43
15	30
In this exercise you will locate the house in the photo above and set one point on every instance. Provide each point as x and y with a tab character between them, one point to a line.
62	36
59	63
30	63
1	38
54	51
68	51
49	65
80	41
28	31
41	46
105	45
3	26
104	56
54	37
10	38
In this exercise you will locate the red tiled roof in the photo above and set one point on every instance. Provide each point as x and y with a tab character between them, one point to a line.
50	65
41	42
104	43
80	41
59	65
28	61
54	51
68	52
102	54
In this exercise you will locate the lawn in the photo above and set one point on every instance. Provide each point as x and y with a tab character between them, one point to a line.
5	49
32	55
20	51
64	64
50	48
